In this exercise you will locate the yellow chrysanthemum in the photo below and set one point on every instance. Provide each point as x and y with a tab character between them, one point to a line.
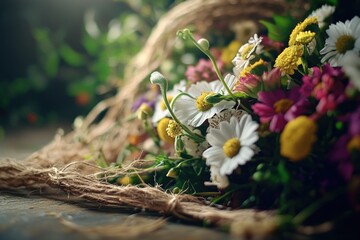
297	139
161	129
289	59
300	27
305	37
251	67
230	51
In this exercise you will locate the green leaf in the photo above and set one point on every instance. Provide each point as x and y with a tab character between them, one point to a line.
51	64
71	57
273	31
49	58
281	27
283	173
87	84
101	69
283	21
91	45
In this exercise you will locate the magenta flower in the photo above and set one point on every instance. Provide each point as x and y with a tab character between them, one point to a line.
341	158
327	85
341	152
203	71
354	125
279	106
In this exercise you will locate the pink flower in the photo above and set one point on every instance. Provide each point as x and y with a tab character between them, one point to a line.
203	71
272	79
327	85
250	84
279	106
272	45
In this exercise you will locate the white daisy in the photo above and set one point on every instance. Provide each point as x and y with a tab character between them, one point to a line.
218	180
194	110
322	14
160	109
232	144
193	148
343	37
351	66
246	54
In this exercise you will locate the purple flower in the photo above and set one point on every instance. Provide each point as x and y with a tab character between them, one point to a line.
149	98
279	106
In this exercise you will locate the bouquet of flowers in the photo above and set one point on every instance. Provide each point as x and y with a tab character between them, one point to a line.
278	127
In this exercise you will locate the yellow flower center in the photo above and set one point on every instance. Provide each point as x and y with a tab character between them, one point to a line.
344	43
246	50
173	129
161	130
201	103
354	144
231	147
283	105
298	138
305	37
162	104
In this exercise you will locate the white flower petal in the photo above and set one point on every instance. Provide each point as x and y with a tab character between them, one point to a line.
245	128
336	31
245	154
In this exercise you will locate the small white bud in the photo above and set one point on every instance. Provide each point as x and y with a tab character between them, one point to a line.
204	43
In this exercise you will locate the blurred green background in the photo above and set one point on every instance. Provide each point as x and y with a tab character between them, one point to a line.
59	58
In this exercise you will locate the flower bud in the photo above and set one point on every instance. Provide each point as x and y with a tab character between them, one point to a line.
171	173
157	78
204	44
144	111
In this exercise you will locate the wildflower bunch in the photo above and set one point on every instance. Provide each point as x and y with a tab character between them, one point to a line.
280	129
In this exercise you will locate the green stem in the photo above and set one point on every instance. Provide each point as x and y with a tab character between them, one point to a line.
245	108
177	96
213	61
311	209
150	131
196	137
